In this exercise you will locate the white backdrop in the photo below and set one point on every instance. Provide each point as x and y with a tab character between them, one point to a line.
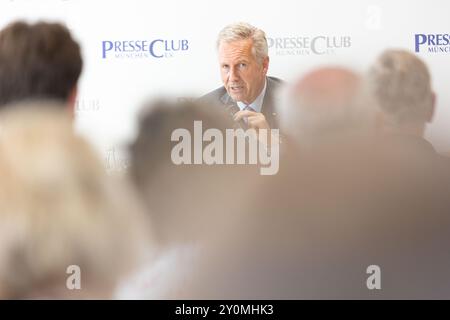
112	90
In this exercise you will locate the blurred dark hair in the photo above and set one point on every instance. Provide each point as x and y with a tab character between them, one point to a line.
37	61
152	148
183	200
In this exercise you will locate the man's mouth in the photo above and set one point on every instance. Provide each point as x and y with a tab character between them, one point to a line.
236	89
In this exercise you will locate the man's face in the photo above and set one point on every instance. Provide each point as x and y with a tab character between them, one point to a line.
242	74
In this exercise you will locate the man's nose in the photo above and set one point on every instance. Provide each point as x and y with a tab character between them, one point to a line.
234	75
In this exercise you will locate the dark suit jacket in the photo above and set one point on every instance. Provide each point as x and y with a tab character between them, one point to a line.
220	97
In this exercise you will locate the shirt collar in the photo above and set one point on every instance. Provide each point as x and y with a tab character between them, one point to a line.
257	104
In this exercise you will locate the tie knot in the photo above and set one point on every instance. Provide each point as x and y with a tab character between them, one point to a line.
249	108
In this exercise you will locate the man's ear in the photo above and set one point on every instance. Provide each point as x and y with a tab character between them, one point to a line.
430	114
71	101
265	64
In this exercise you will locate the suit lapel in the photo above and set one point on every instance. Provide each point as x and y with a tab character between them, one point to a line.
226	99
268	105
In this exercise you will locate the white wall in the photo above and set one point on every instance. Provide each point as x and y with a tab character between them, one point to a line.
112	90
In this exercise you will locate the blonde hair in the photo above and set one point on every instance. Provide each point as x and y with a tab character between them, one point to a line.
59	208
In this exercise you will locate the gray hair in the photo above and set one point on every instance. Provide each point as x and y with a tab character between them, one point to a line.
401	85
242	31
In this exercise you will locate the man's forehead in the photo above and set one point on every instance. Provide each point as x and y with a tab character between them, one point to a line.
237	49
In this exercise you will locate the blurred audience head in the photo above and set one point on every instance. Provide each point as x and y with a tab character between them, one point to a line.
58	208
38	61
325	104
401	84
183	199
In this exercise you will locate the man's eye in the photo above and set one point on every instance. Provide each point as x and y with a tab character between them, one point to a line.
242	65
225	67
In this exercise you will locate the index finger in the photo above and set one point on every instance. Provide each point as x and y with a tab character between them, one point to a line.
243	113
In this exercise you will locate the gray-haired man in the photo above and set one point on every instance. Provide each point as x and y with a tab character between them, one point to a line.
246	90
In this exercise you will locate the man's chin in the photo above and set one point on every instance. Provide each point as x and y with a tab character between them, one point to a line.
236	97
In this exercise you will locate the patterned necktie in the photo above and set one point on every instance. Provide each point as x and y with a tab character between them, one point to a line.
249	108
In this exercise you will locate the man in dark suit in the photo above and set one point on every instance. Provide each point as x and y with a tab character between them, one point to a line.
247	92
